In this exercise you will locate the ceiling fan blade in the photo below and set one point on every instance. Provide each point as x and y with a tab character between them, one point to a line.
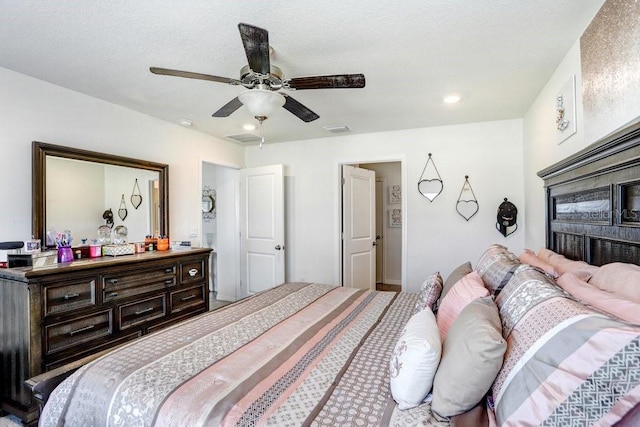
256	46
299	110
190	75
228	108
338	81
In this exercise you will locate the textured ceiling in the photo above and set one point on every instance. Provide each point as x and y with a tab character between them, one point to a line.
497	53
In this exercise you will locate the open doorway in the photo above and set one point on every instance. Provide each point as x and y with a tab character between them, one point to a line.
389	241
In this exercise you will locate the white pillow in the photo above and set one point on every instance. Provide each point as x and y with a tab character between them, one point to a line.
415	360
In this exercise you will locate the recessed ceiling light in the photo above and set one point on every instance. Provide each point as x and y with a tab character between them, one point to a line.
452	98
249	126
185	122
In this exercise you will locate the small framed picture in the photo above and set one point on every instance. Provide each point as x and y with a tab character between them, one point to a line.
395	217
395	194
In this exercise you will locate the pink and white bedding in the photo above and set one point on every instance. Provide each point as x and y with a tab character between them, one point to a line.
299	354
311	354
566	363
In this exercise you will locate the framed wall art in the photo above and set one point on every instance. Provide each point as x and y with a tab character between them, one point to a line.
395	218
395	194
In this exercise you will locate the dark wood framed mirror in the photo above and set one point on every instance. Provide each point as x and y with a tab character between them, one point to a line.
71	199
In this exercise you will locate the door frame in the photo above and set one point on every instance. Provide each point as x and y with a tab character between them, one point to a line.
402	159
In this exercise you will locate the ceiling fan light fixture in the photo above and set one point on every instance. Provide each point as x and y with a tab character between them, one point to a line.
261	102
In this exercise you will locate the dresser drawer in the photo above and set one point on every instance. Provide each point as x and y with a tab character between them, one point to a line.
62	335
70	295
191	272
141	311
188	298
116	287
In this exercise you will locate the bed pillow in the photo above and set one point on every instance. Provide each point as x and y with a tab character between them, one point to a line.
618	278
496	266
461	294
472	355
529	257
414	360
563	264
606	301
457	274
429	293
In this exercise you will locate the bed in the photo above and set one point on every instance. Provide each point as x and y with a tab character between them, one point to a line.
317	354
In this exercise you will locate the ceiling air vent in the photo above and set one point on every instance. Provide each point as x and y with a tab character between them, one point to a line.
337	129
244	138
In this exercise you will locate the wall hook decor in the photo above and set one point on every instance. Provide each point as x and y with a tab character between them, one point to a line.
122	212
430	185
467	204
507	218
136	197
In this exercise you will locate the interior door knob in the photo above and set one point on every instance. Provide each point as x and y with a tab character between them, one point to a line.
279	248
374	243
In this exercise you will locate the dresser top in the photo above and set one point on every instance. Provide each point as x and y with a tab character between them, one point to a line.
23	274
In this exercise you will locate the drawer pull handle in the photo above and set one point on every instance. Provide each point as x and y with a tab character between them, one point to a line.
146	310
77	331
113	294
71	296
168	270
168	282
193	272
187	298
113	281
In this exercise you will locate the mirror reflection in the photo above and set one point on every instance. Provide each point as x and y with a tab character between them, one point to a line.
78	204
73	188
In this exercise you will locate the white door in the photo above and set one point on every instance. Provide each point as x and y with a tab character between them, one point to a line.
262	228
359	227
379	231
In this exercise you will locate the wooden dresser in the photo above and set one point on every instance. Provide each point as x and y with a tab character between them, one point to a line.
51	316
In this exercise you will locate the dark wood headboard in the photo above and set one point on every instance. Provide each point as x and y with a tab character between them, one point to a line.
593	201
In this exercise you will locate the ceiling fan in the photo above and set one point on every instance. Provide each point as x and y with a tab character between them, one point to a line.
264	81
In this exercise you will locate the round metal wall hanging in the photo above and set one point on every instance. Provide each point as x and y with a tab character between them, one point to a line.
507	218
467	204
122	212
430	184
208	203
136	197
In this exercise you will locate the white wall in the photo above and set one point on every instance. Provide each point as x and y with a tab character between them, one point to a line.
540	148
35	110
437	238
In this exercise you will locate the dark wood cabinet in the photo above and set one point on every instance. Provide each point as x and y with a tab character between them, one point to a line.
54	315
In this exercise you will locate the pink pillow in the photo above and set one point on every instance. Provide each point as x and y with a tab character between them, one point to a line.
619	278
606	301
529	257
561	264
462	293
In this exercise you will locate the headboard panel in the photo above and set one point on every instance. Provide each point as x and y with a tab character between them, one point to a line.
593	201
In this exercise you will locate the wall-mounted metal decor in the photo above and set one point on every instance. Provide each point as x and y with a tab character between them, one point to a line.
122	212
467	204
430	183
136	196
507	218
208	203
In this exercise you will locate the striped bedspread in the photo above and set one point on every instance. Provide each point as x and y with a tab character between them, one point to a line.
298	354
566	363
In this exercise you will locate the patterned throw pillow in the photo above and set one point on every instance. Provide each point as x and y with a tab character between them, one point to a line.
429	293
415	360
496	267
